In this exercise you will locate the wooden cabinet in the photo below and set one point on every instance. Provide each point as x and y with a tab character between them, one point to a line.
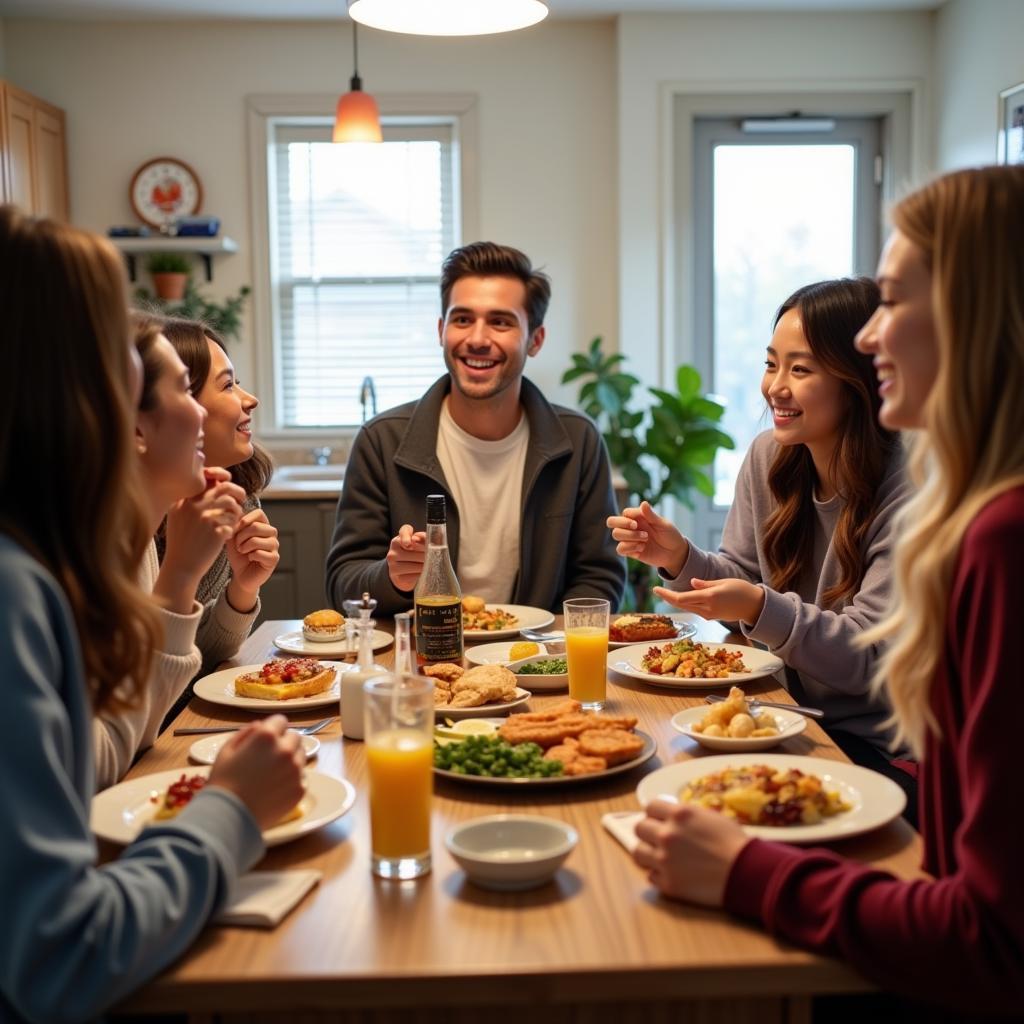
33	169
304	530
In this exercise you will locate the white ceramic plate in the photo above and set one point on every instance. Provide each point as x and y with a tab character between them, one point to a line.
121	812
626	661
874	800
485	710
205	750
496	654
683	630
790	724
650	748
539	681
219	688
528	618
296	643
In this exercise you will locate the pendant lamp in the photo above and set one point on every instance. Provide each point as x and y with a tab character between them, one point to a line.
356	118
447	17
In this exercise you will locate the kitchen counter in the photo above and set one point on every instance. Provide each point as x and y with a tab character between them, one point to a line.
305	483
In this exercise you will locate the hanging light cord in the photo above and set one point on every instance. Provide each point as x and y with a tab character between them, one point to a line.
356	84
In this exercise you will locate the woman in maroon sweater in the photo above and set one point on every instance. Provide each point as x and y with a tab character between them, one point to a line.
948	346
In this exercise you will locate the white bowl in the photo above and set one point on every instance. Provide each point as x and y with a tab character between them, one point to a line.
510	852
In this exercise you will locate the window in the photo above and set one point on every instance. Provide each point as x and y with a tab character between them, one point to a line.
357	237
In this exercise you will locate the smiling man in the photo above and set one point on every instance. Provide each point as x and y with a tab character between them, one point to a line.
528	483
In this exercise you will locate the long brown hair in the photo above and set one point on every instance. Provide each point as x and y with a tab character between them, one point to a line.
831	313
189	339
968	226
71	493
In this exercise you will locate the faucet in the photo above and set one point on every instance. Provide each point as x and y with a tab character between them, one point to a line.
322	454
368	393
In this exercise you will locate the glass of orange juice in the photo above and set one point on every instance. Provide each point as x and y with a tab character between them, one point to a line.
586	648
399	727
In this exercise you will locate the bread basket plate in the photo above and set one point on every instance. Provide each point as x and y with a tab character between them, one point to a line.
443	711
296	643
627	661
219	688
789	722
120	813
874	800
527	617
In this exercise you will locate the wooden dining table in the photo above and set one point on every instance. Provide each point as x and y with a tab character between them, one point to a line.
596	943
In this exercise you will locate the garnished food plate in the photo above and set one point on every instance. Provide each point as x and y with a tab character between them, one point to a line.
874	800
790	724
628	661
444	711
648	751
219	688
683	630
525	616
120	813
296	643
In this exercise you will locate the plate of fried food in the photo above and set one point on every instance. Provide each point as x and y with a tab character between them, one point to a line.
729	725
560	745
120	813
788	798
690	664
282	684
474	692
641	627
482	621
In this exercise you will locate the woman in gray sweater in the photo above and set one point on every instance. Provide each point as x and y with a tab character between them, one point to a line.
804	566
76	636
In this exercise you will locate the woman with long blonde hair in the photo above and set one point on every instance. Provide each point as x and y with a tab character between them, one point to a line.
77	636
948	347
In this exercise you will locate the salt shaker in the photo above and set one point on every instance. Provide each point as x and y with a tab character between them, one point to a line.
365	668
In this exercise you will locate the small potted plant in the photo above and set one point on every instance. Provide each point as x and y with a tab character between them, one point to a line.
170	271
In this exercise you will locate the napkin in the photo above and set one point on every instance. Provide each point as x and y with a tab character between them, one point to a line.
621	825
263	898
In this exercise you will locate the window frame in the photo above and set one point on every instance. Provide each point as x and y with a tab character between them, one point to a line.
457	109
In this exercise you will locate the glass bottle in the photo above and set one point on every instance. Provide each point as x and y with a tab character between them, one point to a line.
403	644
437	597
364	668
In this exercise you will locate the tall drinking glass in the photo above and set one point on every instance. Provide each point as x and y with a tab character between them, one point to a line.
399	726
586	648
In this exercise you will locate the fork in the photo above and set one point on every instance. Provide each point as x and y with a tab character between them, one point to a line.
755	705
536	634
305	730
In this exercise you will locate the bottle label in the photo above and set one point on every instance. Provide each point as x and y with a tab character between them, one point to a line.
439	630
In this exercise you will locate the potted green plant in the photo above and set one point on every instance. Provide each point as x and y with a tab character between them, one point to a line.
170	273
224	317
662	445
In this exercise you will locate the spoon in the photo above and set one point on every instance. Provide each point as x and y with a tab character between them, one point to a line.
717	698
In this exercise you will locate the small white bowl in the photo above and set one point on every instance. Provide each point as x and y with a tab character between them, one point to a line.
510	852
790	724
539	680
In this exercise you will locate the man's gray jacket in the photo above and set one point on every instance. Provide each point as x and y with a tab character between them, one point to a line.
565	548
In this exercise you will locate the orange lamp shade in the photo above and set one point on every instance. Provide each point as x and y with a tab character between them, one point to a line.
357	118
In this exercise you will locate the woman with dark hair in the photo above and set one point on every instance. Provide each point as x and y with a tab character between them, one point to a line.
229	591
77	636
804	564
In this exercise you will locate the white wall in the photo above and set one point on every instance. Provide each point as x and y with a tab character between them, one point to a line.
705	52
546	119
979	51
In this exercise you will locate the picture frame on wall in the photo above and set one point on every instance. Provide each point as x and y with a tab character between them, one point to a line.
1010	143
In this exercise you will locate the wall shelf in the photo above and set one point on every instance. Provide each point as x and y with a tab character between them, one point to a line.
205	248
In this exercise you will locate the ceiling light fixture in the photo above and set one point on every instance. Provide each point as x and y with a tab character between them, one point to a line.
447	17
357	118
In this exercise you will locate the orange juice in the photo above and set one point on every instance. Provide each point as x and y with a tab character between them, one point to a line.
401	781
586	648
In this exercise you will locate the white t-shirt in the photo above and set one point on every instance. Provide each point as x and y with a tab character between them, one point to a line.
486	480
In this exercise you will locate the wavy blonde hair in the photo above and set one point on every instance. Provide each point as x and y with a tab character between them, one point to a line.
970	227
71	493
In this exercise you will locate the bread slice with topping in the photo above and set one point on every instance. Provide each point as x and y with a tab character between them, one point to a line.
286	679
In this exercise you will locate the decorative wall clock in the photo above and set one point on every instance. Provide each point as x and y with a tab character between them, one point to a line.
164	189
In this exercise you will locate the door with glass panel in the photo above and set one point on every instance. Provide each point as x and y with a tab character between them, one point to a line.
778	203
